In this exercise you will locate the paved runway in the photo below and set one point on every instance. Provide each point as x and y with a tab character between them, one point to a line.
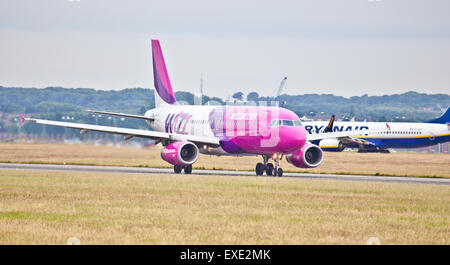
141	170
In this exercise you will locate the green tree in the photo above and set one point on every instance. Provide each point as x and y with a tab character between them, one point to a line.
252	96
238	96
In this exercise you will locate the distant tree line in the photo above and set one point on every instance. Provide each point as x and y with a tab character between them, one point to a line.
64	104
407	107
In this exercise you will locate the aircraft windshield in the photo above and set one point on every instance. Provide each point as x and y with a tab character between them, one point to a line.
288	123
297	123
275	123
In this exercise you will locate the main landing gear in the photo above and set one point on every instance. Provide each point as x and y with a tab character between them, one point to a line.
269	168
187	169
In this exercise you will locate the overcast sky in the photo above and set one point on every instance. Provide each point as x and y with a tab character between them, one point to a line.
343	47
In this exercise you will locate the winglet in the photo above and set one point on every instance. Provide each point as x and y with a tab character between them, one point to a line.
22	119
160	75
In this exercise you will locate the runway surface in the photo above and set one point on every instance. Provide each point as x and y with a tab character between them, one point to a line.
437	181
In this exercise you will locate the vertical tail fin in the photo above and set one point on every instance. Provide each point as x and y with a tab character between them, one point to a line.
329	128
445	118
161	77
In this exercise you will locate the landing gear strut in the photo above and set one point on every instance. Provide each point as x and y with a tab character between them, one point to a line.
277	171
269	168
187	169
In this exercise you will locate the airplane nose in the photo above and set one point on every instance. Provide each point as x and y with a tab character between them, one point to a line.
292	138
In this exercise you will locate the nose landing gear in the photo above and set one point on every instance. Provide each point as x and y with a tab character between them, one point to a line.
277	171
269	168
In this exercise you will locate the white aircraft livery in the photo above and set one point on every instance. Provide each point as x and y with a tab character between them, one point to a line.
381	136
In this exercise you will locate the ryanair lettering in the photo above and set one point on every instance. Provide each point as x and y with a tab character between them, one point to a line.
317	129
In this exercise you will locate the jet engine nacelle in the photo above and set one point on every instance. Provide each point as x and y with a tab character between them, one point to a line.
180	153
309	156
331	144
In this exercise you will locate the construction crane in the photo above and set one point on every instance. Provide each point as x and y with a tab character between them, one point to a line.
281	87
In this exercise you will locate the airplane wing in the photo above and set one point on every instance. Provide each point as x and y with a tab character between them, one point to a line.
343	136
355	140
128	133
121	115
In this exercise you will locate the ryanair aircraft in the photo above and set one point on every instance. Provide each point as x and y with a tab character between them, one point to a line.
381	136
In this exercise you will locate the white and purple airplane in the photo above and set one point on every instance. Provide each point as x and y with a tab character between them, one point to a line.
187	130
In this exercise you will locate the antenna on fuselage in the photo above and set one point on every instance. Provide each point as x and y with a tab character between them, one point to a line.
201	84
201	89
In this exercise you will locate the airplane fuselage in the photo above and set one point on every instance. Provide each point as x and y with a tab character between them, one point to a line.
241	129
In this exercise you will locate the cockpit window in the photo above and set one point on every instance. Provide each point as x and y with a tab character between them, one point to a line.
275	123
297	123
288	123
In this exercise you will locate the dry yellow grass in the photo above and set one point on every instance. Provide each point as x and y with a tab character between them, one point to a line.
401	164
48	207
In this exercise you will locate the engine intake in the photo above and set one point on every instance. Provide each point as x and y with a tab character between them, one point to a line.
333	145
308	156
181	153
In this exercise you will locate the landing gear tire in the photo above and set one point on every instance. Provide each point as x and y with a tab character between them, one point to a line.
360	150
280	172
177	169
188	169
269	169
260	169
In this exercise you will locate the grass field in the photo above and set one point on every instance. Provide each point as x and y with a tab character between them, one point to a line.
48	207
399	164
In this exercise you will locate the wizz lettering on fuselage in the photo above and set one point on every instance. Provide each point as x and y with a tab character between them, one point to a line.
318	129
176	123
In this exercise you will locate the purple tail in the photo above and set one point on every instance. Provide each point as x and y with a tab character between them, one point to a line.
160	75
